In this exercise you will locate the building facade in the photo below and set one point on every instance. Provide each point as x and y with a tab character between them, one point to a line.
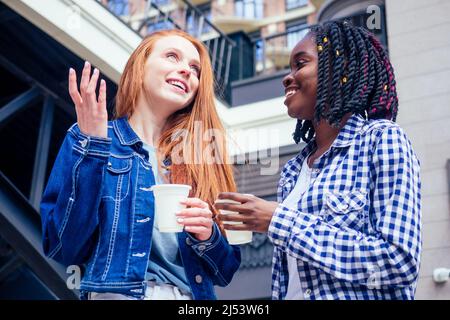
249	43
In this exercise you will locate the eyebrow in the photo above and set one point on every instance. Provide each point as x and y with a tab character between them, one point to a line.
181	53
299	54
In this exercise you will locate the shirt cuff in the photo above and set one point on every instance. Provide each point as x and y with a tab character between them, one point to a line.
90	145
202	246
281	225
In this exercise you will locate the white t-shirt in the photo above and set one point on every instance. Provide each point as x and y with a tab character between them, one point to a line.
294	291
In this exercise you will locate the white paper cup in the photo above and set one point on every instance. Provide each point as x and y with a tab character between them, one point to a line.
235	236
167	204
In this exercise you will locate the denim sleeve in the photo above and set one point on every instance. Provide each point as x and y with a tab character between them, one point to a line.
69	206
221	259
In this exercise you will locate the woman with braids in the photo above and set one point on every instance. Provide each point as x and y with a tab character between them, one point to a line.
98	209
347	224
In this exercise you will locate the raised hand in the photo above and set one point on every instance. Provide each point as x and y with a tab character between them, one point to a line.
92	117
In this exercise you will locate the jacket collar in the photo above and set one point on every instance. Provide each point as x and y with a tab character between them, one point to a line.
125	133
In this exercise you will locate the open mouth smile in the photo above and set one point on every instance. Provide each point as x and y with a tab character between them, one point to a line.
179	84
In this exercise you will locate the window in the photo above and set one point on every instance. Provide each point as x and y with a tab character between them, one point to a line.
259	50
153	26
294	4
251	9
160	2
258	44
193	19
296	30
119	7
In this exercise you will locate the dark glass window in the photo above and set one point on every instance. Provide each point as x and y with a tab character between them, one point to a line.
159	25
160	2
294	4
251	9
119	7
296	30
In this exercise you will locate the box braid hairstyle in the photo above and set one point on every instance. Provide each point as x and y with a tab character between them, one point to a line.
354	75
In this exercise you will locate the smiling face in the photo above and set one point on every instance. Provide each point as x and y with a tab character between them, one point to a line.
301	83
172	73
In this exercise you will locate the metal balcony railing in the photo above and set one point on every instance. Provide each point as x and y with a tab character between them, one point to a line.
147	16
272	53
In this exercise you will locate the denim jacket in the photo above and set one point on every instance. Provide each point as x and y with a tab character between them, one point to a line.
98	211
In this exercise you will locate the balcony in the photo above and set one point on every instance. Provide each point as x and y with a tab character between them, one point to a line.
147	16
261	79
272	53
248	16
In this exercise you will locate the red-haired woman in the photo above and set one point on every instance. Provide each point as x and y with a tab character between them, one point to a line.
97	210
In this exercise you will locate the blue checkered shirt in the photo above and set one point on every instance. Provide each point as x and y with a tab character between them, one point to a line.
356	232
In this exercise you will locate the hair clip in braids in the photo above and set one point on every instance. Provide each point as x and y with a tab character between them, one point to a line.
337	53
325	40
344	79
385	88
319	48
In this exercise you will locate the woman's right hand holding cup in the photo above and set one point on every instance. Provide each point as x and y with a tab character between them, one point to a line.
92	116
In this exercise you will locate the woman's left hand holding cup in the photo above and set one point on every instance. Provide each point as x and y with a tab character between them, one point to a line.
197	218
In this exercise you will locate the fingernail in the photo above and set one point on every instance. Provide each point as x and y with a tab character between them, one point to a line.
95	70
180	219
70	70
86	63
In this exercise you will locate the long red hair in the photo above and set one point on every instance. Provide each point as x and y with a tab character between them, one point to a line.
206	177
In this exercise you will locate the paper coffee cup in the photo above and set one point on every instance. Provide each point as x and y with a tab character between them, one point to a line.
235	236
167	204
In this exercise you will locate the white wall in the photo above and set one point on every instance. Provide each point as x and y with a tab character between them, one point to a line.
419	46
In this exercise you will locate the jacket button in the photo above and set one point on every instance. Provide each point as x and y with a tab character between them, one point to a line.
307	293
83	143
198	279
188	241
201	247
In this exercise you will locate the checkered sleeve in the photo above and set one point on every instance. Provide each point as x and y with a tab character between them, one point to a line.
390	256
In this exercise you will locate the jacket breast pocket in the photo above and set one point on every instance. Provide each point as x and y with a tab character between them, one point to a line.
116	184
345	210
